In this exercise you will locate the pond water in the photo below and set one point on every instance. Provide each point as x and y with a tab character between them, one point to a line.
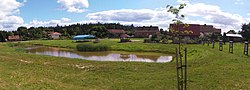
101	56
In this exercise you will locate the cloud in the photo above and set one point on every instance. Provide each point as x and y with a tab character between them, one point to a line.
76	6
197	13
248	14
123	15
214	15
238	2
137	17
183	1
37	23
9	19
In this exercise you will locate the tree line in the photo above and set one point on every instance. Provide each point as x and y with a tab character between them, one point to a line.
97	29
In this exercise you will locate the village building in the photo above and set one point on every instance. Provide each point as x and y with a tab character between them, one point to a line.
234	37
209	29
55	35
146	31
124	36
116	33
14	38
191	32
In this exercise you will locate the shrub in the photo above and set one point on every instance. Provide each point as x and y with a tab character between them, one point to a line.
91	47
147	40
122	40
15	44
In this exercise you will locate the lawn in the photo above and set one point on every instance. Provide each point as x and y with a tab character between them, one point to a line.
208	68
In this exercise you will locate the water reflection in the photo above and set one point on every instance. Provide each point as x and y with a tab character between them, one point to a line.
99	56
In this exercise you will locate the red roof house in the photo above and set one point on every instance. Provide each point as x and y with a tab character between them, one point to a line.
55	35
14	38
124	35
116	32
191	31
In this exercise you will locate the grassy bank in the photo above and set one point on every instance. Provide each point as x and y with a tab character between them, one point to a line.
207	69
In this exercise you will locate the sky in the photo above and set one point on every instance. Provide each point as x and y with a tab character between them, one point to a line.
224	14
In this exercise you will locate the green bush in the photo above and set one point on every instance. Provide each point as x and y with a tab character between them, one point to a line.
147	40
123	40
90	47
14	44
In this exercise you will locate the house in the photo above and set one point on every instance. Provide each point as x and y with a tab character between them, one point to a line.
209	29
55	35
192	32
234	37
146	31
116	32
14	38
124	36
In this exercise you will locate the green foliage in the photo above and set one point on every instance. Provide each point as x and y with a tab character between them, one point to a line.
36	33
147	40
231	32
99	31
123	40
91	47
176	12
246	31
14	44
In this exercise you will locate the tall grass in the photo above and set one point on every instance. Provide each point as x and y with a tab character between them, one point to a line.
91	47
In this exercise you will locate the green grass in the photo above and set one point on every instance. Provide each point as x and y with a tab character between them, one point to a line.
135	46
207	69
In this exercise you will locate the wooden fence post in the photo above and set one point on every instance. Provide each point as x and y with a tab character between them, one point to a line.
231	46
246	48
220	45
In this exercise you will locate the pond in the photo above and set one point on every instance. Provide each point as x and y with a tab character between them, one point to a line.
102	56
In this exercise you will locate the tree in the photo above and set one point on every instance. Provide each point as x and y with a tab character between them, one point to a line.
2	36
231	32
23	32
177	21
181	73
99	31
246	31
224	37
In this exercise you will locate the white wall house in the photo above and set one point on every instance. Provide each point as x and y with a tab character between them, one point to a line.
55	35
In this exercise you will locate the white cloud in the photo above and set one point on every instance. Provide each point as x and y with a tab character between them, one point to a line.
123	15
137	17
183	1
9	19
37	23
248	14
214	15
238	2
198	13
77	6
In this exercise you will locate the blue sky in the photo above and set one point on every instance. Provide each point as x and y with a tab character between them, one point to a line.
224	14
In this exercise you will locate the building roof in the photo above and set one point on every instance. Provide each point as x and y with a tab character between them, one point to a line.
55	33
80	37
234	35
147	29
124	36
15	37
116	31
206	28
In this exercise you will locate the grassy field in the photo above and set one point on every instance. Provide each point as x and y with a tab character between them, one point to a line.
207	69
